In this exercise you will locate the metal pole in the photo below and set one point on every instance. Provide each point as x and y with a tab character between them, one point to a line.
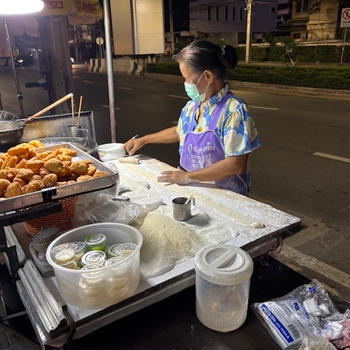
107	23
171	25
343	48
18	89
248	35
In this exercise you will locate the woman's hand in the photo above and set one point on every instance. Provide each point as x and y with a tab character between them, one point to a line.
179	177
134	144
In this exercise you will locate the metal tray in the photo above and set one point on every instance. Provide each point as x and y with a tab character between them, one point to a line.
53	193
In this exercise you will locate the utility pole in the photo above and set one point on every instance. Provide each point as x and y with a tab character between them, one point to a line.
171	25
109	60
248	41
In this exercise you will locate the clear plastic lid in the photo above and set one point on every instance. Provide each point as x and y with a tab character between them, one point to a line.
64	256
94	257
223	264
78	247
94	240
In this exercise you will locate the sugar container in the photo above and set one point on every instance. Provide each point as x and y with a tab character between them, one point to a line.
222	286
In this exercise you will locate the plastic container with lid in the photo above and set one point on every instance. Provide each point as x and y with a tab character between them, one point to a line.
222	286
95	287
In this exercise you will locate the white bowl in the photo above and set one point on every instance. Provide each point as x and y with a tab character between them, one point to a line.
107	285
110	151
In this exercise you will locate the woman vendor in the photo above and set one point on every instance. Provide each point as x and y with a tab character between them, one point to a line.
215	132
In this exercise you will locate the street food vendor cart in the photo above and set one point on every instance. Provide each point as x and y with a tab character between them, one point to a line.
219	215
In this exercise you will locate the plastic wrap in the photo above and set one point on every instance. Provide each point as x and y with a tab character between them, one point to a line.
304	312
102	207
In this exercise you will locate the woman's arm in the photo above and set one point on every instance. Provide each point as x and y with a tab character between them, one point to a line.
229	166
164	136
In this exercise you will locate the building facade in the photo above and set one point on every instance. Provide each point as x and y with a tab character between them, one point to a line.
226	19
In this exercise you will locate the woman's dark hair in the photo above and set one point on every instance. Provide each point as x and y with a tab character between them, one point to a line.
201	55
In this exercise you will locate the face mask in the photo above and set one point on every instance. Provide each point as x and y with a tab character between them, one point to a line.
192	91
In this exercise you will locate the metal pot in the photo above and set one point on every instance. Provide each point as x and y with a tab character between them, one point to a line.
11	128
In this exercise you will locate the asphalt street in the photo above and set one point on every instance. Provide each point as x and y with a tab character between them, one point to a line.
302	168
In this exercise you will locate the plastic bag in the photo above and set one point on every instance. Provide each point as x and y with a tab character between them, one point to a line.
315	342
91	208
303	312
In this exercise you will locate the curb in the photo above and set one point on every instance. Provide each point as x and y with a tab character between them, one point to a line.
274	88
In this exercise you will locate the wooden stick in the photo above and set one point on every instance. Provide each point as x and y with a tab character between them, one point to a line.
188	199
72	107
79	110
46	109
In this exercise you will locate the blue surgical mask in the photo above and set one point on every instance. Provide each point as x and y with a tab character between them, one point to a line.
192	91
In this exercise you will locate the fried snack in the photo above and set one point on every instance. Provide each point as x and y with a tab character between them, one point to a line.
49	180
20	181
3	186
34	164
2	155
87	161
54	165
24	174
62	183
52	154
23	150
79	168
3	174
32	186
91	169
1	163
64	157
84	178
36	143
67	151
11	173
64	171
99	173
43	172
13	189
22	164
35	177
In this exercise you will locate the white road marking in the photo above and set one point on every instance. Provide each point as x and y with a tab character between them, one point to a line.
313	264
124	88
107	106
87	81
267	108
331	156
177	96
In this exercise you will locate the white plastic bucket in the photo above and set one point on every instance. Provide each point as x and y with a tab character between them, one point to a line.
222	286
110	151
104	286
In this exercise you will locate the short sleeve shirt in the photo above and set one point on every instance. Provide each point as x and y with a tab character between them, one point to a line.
235	127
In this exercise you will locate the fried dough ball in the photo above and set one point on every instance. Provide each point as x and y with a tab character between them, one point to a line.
64	157
3	174
3	186
24	174
79	168
9	162
13	189
51	154
20	181
23	150
35	177
87	161
2	155
34	164
62	183
84	178
64	171
11	173
49	180
36	143
67	151
54	165
100	173
91	169
21	164
43	172
32	186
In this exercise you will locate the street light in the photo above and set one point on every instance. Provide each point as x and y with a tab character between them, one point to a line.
18	7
